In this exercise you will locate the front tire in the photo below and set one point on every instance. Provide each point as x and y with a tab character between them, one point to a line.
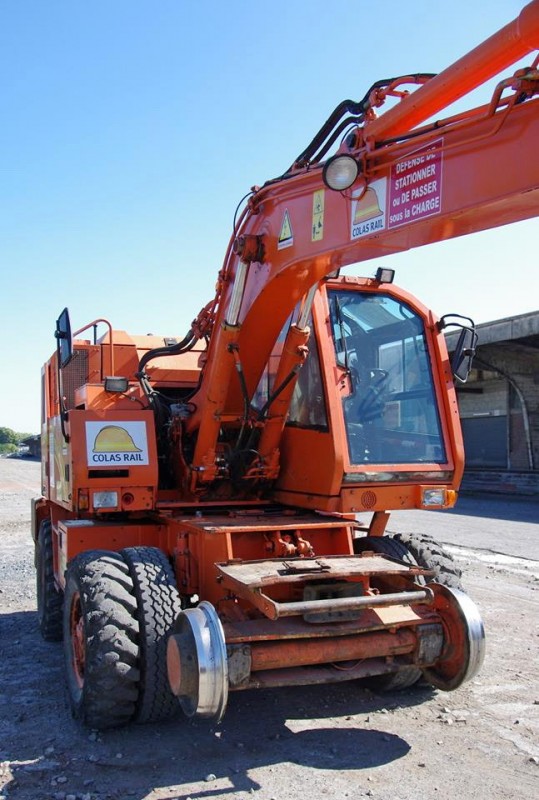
101	640
159	604
417	550
426	552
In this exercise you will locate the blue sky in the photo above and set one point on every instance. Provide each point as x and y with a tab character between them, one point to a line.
131	129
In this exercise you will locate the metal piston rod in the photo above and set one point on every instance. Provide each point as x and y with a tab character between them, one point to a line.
348	603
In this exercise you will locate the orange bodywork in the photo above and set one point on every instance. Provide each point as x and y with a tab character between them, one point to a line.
222	454
477	177
486	181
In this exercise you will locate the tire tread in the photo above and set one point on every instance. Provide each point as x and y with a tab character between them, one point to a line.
158	607
50	599
110	689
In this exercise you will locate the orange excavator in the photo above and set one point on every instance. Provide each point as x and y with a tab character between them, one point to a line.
214	508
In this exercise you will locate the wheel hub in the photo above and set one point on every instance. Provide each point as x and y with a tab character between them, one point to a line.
78	649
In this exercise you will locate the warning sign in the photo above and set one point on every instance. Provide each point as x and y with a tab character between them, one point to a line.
415	187
286	237
317	229
369	209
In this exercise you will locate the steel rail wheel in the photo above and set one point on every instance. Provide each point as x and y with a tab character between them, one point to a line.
158	605
416	550
101	648
50	599
197	662
464	651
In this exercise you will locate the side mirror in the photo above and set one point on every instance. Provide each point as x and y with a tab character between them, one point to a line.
463	355
63	338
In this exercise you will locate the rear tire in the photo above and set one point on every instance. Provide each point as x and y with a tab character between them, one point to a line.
50	599
158	605
421	551
101	646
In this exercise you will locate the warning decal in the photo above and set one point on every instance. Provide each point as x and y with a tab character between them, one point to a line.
317	229
120	443
369	209
286	237
416	186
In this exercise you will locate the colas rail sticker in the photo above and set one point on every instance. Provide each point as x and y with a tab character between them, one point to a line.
123	442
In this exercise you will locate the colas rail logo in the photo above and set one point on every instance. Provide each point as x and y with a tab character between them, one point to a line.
114	444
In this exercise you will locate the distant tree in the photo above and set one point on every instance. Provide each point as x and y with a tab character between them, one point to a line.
7	436
8	448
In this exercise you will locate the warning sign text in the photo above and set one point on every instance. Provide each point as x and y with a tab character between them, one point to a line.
415	187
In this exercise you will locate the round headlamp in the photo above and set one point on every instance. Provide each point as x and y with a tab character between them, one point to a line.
340	172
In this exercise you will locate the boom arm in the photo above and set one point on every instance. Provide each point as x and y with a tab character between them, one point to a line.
415	186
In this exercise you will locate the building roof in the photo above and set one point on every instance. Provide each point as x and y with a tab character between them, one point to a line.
522	329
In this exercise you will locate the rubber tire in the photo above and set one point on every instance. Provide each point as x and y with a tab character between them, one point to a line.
418	550
50	599
158	605
426	552
100	590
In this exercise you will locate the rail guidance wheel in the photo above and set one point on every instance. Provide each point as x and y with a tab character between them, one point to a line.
197	662
464	652
101	648
417	550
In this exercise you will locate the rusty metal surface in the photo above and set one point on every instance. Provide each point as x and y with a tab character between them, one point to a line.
252	580
264	629
261	523
380	644
318	674
257	574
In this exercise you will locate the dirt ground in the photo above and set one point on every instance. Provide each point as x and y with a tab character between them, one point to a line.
481	741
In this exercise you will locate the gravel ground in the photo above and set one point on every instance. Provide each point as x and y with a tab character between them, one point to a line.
481	741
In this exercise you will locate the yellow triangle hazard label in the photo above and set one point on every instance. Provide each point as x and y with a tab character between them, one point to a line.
286	237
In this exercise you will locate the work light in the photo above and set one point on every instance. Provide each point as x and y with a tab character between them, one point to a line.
340	172
116	384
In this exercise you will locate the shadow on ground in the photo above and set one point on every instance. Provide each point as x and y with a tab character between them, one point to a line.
337	727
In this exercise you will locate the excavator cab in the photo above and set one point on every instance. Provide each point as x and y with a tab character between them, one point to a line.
390	426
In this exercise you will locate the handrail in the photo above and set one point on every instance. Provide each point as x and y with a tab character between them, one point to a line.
93	324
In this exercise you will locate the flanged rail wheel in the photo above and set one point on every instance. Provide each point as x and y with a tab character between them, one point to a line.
158	605
197	662
101	647
50	599
417	550
464	655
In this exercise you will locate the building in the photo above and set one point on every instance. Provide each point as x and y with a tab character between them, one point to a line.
499	407
32	446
